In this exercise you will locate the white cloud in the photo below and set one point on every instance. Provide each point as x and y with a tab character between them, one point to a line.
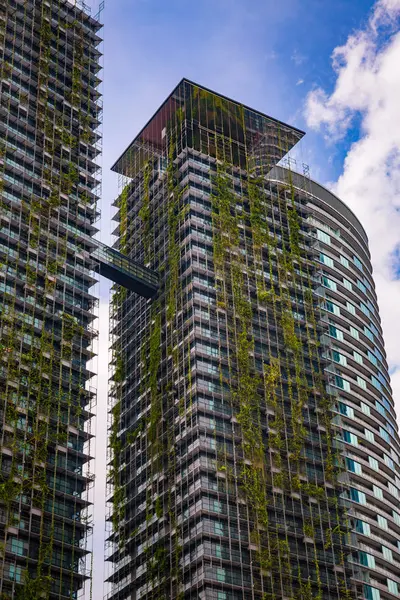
300	81
368	86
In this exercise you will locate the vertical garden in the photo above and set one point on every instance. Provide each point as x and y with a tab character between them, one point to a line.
48	193
224	459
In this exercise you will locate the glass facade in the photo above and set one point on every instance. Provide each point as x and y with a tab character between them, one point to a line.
49	113
227	477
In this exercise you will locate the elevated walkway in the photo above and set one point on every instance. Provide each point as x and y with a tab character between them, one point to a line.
122	270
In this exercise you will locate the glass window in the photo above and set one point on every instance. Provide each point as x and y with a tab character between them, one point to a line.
366	559
15	573
333	308
375	382
396	517
364	309
329	283
339	358
222	596
387	553
347	284
358	263
358	358
342	383
365	408
362	527
326	260
393	587
17	546
369	435
382	522
344	261
351	308
217	506
361	382
373	463
323	237
218	528
393	490
361	286
371	593
357	496
368	333
220	574
336	333
388	462
378	492
384	434
354	333
350	438
346	410
354	466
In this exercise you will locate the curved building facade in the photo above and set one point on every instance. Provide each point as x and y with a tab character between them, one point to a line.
358	376
253	443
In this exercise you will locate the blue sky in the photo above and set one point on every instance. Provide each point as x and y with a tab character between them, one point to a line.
275	56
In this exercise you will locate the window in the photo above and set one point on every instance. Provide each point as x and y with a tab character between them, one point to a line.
358	358
323	237
382	522
361	382
350	438
373	463
366	559
344	261
336	333
346	410
368	333
393	490
218	528
342	383
326	260
333	308
393	587
387	553
380	408
354	333
347	284
389	462
358	263
362	527
18	547
329	283
361	286
15	573
359	497
369	435
375	382
222	596
354	466
217	506
351	308
378	492
371	593
339	358
365	408
372	358
396	517
384	434
221	574
364	309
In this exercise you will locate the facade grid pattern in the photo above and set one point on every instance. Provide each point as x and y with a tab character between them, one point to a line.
49	113
227	479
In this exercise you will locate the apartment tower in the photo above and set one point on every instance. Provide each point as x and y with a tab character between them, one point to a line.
49	113
254	451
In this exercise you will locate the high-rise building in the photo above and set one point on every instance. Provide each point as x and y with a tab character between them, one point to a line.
49	112
253	445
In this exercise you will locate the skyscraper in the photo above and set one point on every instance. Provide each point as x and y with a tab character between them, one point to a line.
253	445
49	61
